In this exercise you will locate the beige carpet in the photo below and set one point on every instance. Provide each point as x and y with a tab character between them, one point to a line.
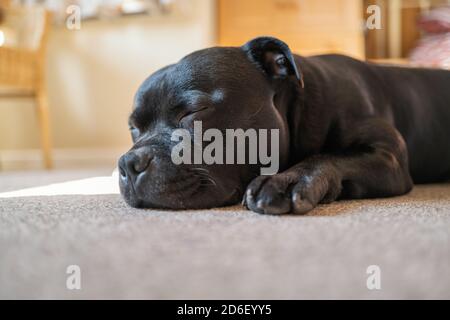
218	254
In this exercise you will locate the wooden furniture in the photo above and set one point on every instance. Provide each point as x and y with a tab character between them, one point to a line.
22	75
308	26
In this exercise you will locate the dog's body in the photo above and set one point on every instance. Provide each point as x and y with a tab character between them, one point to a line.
348	129
414	101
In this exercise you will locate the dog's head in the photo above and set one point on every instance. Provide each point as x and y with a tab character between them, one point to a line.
217	88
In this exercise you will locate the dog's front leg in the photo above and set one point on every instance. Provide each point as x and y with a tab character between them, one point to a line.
374	163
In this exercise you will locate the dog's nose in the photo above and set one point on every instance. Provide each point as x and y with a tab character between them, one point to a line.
135	162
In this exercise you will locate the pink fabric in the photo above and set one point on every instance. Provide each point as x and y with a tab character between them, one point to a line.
433	49
437	21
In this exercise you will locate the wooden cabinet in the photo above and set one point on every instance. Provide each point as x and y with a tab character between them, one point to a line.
308	26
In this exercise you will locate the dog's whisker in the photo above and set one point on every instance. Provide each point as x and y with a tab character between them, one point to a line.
204	179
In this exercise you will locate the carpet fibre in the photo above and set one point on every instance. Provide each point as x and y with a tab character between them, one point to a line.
226	253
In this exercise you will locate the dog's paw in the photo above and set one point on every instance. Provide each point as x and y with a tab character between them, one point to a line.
281	194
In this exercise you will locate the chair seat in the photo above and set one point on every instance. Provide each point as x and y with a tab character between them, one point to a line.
18	67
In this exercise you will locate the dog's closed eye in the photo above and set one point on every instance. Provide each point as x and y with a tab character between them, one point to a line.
188	113
135	133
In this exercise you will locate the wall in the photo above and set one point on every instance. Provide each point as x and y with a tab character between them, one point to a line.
93	74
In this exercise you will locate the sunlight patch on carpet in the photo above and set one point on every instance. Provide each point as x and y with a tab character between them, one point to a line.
89	186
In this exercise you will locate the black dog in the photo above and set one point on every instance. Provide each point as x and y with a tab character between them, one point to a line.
348	129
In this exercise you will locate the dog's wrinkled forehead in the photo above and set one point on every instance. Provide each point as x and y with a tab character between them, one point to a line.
203	71
205	77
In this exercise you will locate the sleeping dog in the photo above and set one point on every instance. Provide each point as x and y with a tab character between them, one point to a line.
346	129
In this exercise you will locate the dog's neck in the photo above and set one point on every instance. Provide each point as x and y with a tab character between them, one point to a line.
305	108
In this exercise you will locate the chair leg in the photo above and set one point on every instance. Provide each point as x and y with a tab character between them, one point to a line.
44	127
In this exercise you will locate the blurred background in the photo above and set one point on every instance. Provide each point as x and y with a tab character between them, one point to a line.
69	69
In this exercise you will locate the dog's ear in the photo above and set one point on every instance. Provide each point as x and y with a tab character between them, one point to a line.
273	56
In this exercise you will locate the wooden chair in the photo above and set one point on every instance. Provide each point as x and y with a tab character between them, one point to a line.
22	75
